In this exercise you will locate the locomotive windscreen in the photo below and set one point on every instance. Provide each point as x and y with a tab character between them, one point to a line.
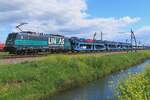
11	36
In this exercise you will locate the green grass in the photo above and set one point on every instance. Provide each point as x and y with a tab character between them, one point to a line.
135	87
3	54
39	79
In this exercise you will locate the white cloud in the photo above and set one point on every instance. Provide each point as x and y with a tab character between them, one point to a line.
145	29
65	16
143	34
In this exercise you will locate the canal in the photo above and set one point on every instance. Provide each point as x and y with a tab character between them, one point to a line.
103	89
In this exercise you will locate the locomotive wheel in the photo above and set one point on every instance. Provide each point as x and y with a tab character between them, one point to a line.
18	52
23	52
35	52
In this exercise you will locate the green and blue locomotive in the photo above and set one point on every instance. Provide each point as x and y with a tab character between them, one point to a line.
31	42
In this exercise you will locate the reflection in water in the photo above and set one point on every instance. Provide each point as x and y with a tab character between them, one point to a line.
103	89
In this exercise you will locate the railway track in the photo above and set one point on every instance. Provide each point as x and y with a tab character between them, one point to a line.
35	55
22	56
47	54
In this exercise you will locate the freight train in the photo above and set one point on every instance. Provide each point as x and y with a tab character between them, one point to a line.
31	42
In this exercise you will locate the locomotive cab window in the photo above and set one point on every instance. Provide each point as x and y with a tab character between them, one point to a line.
12	37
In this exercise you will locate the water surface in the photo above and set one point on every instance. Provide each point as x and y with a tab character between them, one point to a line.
103	89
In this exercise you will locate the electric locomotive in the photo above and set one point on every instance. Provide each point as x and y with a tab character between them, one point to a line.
32	42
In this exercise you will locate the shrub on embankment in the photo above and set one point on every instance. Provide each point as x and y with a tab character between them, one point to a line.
135	87
36	79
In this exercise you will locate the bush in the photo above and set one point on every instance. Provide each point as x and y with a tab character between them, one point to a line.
135	87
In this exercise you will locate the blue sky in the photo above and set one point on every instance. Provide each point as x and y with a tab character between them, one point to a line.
120	8
72	17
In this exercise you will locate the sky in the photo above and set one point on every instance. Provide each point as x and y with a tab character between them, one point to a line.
81	18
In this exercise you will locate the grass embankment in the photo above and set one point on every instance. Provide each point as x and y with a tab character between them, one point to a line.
135	87
36	79
3	54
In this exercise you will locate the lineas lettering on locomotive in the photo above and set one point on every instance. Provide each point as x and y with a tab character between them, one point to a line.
55	41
